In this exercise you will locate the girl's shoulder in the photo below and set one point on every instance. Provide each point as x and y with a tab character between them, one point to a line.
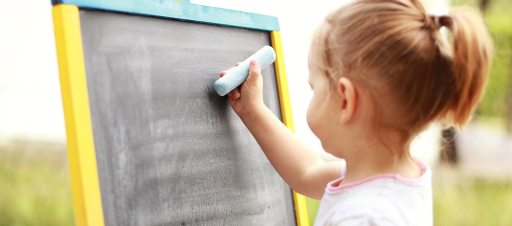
379	200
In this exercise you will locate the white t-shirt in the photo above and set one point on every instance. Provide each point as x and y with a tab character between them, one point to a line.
378	200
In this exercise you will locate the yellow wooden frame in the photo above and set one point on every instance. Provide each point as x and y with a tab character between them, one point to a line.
301	211
80	142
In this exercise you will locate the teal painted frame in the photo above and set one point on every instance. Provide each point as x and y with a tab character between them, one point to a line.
181	10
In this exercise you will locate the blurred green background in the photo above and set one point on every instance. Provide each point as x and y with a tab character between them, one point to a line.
35	184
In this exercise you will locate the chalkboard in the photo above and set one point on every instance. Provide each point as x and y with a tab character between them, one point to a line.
169	150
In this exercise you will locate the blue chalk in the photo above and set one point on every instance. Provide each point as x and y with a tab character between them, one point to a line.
265	56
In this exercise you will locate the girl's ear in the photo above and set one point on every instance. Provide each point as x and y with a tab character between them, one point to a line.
347	93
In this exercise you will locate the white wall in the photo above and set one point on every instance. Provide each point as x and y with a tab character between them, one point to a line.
30	103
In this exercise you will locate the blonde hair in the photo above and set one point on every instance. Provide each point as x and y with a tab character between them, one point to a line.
394	49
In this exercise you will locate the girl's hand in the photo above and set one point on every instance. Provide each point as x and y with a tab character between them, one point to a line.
248	97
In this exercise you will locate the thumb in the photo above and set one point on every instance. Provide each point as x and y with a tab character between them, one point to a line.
254	77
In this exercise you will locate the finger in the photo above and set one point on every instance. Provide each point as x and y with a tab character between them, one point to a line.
255	67
254	73
235	94
233	91
222	73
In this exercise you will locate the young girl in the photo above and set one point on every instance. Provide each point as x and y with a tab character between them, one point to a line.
380	73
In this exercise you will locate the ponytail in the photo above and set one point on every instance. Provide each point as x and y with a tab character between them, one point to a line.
470	64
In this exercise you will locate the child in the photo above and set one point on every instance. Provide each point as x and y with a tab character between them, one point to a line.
380	73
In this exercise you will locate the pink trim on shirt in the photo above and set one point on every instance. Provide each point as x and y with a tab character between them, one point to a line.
336	185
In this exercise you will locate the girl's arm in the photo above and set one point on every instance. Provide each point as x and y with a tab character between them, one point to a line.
297	163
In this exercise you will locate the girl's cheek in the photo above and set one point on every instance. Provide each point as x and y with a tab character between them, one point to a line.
312	128
308	116
311	119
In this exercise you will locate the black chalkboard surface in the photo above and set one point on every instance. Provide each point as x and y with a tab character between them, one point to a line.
169	150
